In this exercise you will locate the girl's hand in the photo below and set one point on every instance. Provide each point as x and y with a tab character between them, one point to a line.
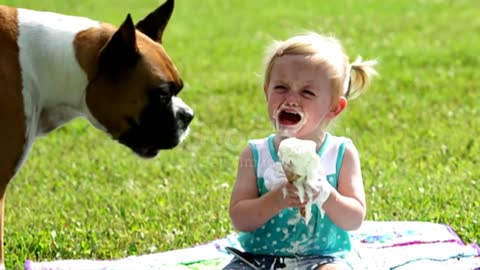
287	196
274	176
319	190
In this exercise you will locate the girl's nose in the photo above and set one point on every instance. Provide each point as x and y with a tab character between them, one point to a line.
292	98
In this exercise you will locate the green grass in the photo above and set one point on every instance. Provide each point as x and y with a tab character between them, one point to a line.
81	195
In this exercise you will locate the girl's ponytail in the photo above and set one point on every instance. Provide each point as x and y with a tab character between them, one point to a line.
358	76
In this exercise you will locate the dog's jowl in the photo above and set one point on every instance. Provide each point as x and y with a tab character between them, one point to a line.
54	68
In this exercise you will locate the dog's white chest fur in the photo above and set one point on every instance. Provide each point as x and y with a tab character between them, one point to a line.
52	80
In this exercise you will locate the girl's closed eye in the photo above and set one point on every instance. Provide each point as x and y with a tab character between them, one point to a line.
309	93
280	88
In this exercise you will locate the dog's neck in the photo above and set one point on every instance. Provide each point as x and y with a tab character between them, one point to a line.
50	68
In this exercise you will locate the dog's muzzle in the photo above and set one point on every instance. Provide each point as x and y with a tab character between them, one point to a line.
161	126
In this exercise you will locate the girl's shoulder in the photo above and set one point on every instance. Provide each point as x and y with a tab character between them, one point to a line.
337	140
261	141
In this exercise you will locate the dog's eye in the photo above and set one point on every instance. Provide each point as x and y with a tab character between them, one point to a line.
162	93
166	90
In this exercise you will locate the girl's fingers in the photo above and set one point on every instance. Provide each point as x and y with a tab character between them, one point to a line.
292	199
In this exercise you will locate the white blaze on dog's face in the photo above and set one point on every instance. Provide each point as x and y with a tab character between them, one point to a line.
133	87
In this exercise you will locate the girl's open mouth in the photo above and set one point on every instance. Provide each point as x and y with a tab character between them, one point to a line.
288	121
289	118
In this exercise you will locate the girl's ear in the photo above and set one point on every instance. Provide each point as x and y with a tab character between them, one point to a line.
338	107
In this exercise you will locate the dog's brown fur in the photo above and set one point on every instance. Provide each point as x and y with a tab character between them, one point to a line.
145	75
118	93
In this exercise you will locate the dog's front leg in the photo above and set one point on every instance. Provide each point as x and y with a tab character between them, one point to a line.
7	172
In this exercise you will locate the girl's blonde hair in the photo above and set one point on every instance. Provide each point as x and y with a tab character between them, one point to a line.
347	79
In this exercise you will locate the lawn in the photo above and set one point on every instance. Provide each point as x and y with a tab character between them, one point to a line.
81	195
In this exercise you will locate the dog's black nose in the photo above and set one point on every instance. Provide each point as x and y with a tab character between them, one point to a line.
184	115
187	117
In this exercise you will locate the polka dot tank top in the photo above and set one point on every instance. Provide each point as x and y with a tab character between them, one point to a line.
286	234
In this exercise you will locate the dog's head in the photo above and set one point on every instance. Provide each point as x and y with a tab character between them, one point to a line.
132	94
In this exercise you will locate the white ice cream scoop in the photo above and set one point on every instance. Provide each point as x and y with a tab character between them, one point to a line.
303	168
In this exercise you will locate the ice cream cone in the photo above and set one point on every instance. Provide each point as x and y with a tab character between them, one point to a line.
292	177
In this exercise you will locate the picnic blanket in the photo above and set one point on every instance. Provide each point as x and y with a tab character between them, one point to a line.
377	245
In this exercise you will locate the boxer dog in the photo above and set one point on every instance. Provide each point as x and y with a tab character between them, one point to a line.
54	68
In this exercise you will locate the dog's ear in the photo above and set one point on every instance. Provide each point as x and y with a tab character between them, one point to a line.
121	51
154	24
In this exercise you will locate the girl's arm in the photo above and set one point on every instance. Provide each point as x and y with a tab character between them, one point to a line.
346	206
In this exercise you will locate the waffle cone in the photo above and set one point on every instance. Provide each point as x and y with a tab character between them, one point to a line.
292	178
